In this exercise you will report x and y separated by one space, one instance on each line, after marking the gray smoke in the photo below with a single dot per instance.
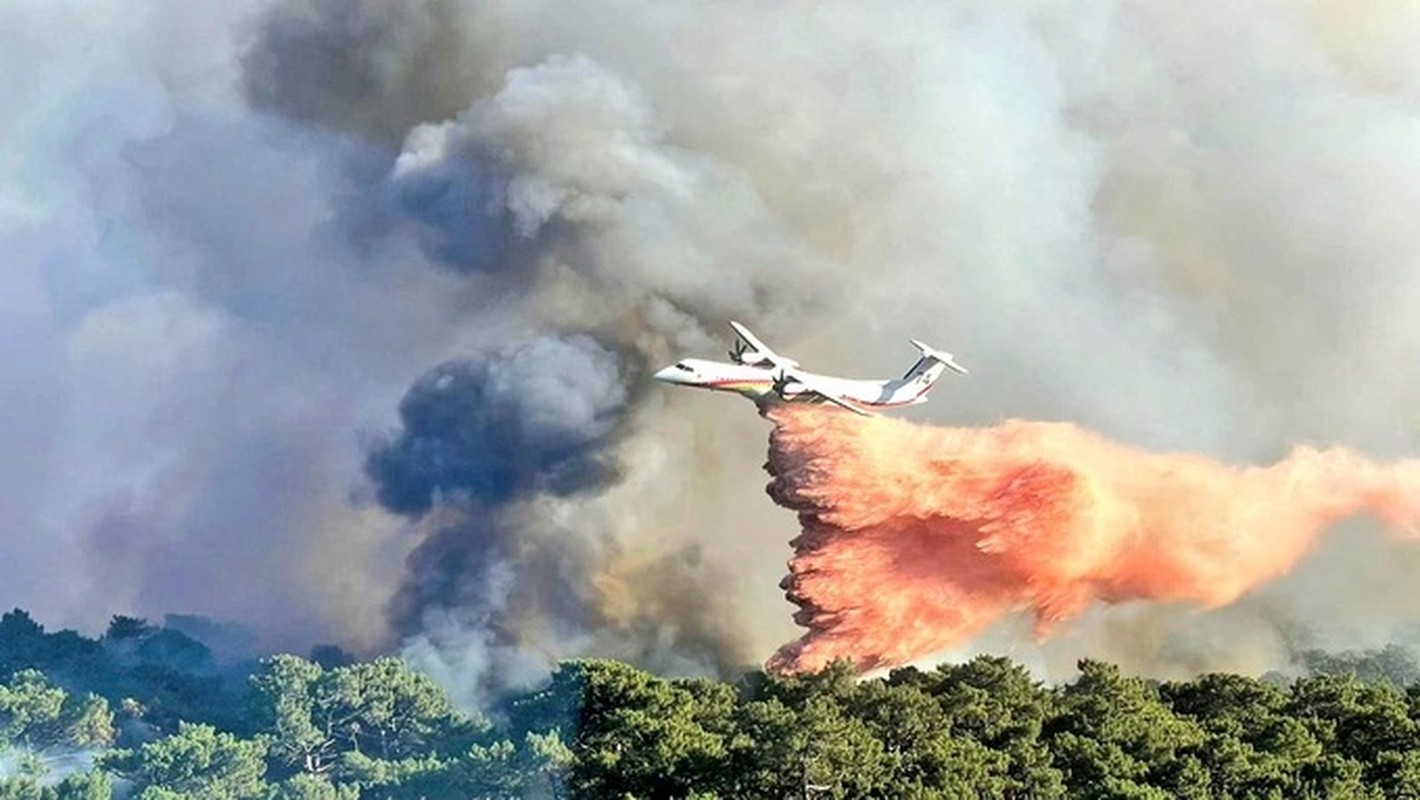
511 573
378 69
476 436
237 236
622 234
524 419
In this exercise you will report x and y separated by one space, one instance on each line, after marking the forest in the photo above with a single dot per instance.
147 712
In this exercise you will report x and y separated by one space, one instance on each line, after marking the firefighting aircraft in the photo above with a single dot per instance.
762 374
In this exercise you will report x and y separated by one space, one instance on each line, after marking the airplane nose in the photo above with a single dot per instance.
669 375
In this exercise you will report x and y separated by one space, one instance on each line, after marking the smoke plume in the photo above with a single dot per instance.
518 420
916 538
605 228
478 436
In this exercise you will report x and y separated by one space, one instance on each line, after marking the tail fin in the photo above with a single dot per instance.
914 385
930 353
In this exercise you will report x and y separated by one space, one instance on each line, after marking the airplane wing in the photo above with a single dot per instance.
761 348
840 402
825 392
751 339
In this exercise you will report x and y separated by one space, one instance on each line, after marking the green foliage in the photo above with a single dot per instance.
171 673
382 710
1114 737
84 786
25 645
40 717
79 786
337 729
313 787
122 628
284 701
197 761
1254 747
1367 724
21 787
1392 664
818 747
995 702
633 734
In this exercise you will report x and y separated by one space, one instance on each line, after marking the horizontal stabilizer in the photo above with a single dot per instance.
940 355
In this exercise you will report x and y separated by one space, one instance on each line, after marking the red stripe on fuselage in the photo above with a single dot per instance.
739 382
746 382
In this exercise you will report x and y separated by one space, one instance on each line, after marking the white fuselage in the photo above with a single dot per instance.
757 383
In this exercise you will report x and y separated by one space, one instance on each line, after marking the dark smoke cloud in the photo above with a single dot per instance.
522 419
368 66
461 207
495 456
477 435
453 568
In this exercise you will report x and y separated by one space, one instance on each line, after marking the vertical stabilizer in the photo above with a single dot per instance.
912 387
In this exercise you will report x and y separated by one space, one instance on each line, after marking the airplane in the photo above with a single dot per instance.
763 375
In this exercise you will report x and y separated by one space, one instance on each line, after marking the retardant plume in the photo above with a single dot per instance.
915 538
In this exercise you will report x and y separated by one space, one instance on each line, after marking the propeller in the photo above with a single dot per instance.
781 384
737 352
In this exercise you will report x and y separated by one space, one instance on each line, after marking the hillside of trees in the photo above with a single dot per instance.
145 712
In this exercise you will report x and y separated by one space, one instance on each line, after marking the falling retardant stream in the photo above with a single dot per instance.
916 538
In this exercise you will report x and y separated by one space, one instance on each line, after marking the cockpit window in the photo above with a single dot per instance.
683 367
